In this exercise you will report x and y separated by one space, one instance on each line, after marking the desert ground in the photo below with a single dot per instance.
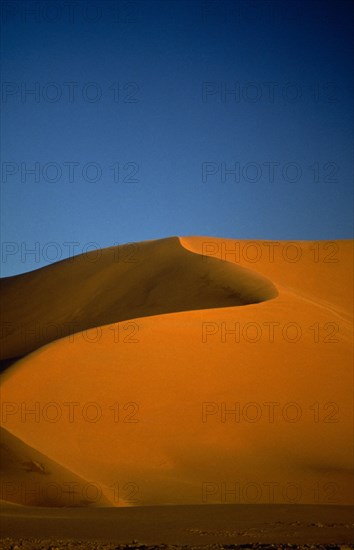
185 391
211 526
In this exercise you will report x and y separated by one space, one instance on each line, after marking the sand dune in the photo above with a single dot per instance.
246 403
321 270
121 283
30 478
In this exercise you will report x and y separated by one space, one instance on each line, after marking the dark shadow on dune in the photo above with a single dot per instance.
7 363
89 291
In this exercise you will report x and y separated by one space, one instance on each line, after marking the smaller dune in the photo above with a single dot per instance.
32 479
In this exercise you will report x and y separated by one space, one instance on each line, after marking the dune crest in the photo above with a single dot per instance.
151 278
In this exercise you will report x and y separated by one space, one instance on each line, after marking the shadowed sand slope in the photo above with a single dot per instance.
30 478
119 283
246 404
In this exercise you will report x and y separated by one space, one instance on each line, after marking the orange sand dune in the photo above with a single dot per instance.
319 270
30 478
87 291
231 404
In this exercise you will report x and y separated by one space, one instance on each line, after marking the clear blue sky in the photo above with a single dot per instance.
140 108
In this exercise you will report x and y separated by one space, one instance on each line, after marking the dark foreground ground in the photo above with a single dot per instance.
51 544
170 527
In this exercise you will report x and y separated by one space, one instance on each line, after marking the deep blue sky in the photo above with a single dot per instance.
162 128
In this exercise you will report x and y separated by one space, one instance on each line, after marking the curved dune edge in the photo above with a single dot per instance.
317 270
30 478
85 292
